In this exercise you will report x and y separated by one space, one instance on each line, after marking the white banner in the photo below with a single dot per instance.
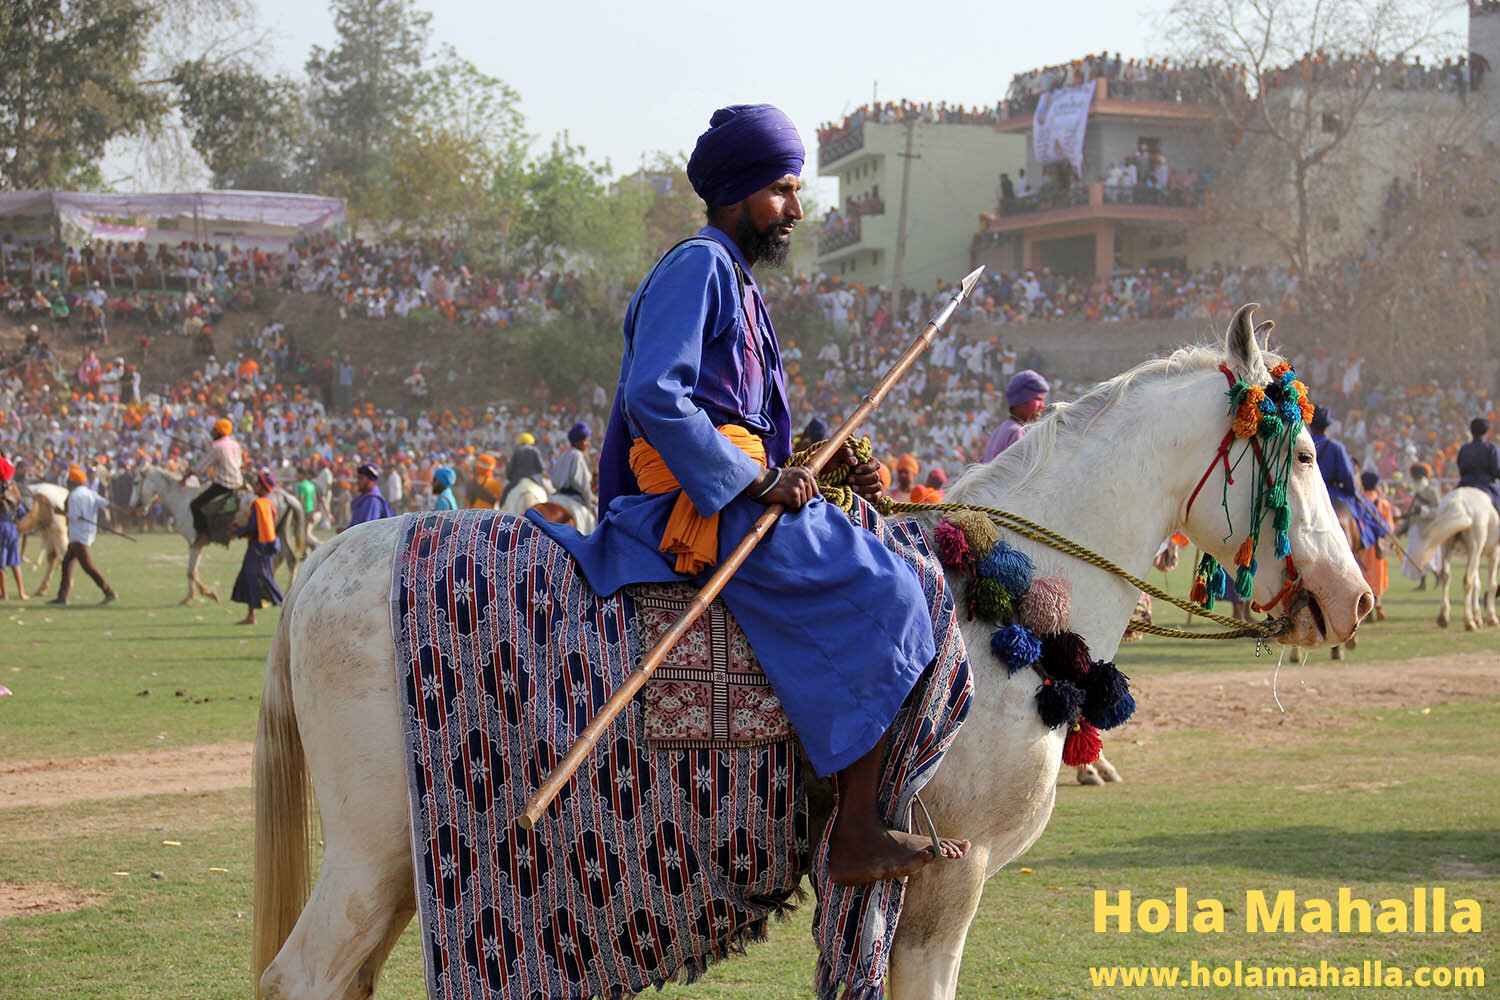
1058 126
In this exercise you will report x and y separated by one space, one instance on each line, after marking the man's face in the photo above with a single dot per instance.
766 221
364 484
1031 409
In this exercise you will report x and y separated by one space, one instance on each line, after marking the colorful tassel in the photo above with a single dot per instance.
1010 567
1066 655
1283 545
1082 745
951 543
1058 702
992 601
1246 552
1016 647
1107 701
1218 584
1244 582
1282 518
1276 497
1046 606
1199 593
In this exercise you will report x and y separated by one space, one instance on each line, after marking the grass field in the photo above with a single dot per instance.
1380 800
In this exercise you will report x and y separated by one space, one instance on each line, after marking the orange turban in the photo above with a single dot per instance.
908 462
76 475
222 427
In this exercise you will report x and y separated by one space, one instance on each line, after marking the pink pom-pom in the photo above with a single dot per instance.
1047 604
952 544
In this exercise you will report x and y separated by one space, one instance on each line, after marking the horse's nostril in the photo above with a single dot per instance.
1365 605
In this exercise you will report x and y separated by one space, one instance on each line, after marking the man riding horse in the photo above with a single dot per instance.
1340 477
1479 462
222 467
695 451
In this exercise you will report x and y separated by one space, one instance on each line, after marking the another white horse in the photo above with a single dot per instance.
1466 519
48 520
155 481
1113 471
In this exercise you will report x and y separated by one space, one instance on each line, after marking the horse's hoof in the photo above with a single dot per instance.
1471 627
1442 621
1089 778
1336 653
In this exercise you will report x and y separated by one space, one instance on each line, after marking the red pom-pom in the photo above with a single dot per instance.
1082 745
951 543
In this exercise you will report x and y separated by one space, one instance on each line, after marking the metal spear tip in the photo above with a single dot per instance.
970 280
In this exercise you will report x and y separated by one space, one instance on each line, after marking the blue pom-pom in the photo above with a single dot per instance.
1008 567
1291 412
1058 703
1016 646
1268 407
1106 693
1283 545
1113 715
1287 378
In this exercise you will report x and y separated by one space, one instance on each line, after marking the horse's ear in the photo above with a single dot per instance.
1241 346
1263 333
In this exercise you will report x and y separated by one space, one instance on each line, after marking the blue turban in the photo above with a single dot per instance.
746 147
817 430
1321 418
367 470
442 478
1024 387
579 432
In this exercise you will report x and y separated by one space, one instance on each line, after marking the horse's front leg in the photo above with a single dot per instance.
195 584
940 904
1490 616
1472 597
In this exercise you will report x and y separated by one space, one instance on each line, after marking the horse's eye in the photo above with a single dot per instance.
1305 457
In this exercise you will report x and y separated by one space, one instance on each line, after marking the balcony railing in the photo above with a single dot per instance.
841 235
841 145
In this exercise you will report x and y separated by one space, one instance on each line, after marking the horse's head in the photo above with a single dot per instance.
1323 594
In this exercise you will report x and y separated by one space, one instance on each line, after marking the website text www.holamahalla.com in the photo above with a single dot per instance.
1423 911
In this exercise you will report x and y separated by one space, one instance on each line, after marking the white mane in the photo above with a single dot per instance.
1027 457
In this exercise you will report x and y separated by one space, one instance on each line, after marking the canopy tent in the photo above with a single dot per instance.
264 219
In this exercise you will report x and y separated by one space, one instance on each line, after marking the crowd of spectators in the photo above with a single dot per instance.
1129 80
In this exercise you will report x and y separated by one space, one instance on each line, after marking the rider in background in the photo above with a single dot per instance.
1479 462
1338 475
222 467
1026 395
1371 558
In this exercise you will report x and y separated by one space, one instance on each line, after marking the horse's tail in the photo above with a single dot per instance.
297 536
282 798
1448 520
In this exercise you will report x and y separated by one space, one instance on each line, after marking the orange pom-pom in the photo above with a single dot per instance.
1246 552
1254 394
1199 592
1307 411
1300 389
1280 370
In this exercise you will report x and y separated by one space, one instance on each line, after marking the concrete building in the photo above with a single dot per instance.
1091 227
947 172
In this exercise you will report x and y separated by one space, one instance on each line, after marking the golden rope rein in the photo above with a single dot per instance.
1235 629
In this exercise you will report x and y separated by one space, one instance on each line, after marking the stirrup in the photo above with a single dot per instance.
911 822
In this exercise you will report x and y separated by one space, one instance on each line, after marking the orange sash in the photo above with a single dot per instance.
265 519
690 536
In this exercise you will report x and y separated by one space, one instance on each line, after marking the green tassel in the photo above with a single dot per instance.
1283 518
1207 565
1276 497
1244 582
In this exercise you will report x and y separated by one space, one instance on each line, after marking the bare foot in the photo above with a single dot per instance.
247 620
873 854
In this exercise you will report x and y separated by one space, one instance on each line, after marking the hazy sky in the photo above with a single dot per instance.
627 79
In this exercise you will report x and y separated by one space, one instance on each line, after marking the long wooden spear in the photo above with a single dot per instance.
564 771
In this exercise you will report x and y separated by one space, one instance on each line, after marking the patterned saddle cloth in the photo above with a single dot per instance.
685 829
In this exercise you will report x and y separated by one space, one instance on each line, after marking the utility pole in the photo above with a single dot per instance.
906 159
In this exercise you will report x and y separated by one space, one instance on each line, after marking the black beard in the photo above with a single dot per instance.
762 247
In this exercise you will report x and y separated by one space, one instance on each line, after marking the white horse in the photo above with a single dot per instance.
1113 471
290 531
48 520
1465 519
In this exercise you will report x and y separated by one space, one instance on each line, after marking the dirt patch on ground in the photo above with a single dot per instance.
1313 695
123 776
26 899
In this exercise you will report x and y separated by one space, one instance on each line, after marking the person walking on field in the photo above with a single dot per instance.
1371 558
256 583
84 508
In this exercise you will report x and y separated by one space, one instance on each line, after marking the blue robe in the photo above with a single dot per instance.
837 620
1338 475
369 506
1479 467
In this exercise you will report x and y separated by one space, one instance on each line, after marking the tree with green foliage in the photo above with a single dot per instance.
362 88
69 83
248 128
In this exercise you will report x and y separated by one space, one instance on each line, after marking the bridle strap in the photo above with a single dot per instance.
1222 455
